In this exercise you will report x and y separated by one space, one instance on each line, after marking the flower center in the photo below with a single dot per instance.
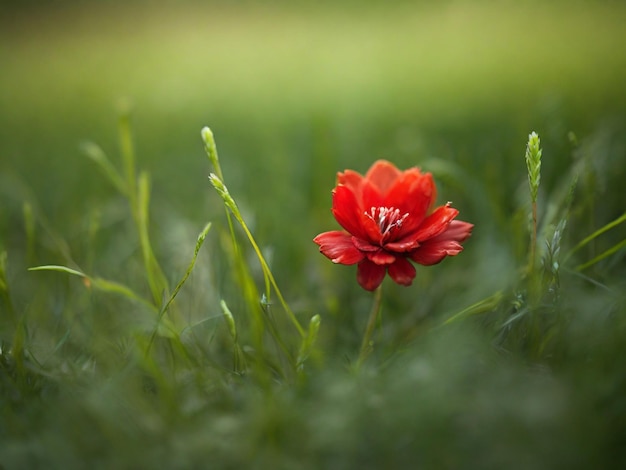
387 218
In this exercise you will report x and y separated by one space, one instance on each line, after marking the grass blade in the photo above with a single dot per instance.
601 256
192 263
482 306
156 278
62 269
98 283
97 155
596 234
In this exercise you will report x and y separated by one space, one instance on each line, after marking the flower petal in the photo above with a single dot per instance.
402 271
371 196
433 252
338 247
402 246
347 211
382 174
413 194
457 230
371 228
380 257
370 275
436 223
364 245
352 180
445 244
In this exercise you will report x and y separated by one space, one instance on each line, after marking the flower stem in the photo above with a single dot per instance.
366 345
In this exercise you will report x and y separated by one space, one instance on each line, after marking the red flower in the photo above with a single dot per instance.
388 221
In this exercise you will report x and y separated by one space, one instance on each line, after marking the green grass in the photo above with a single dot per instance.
150 339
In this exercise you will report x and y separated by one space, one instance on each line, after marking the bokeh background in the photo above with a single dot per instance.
295 91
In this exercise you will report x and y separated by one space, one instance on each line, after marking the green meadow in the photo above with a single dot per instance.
170 325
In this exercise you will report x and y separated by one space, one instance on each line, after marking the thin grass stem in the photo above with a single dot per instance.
533 242
217 181
269 277
180 284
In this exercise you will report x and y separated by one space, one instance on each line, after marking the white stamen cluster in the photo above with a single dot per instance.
387 218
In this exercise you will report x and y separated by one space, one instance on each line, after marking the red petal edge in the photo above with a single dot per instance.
448 243
457 230
402 272
381 257
382 174
436 223
434 252
347 210
338 247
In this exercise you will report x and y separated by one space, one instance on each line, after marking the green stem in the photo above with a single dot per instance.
367 344
533 243
269 277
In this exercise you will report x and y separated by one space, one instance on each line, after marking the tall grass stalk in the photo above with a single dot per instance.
138 190
218 183
264 321
533 164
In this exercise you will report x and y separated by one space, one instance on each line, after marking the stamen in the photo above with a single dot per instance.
388 218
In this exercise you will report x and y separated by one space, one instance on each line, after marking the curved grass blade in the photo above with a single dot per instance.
482 306
601 256
62 269
97 155
222 190
164 308
596 234
98 283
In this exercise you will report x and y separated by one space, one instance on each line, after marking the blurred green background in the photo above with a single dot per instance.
279 82
294 92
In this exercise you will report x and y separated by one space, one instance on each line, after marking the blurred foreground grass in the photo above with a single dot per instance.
530 379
